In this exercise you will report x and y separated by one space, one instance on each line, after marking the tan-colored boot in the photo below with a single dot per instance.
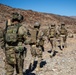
38 68
38 65
51 54
61 43
19 74
65 45
32 62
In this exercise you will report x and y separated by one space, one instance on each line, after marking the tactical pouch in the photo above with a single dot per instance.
27 41
52 33
63 31
42 42
10 55
11 38
19 49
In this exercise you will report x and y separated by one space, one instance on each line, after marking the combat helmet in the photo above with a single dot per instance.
37 25
62 24
17 17
52 25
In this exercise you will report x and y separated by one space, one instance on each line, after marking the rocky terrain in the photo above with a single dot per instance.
64 62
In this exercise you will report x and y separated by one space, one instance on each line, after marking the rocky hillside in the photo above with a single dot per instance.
30 17
73 17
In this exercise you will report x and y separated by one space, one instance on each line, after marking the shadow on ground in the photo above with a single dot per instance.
54 52
30 70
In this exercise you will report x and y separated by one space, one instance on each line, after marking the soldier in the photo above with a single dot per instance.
14 37
52 38
36 44
63 36
1 37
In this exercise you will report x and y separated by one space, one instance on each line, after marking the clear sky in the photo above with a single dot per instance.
61 7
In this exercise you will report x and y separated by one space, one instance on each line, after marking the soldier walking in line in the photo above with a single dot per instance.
63 36
14 37
36 44
52 38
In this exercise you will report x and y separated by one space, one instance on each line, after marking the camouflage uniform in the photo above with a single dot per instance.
36 44
14 49
52 38
1 38
63 36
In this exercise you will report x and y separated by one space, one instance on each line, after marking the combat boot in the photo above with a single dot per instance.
65 45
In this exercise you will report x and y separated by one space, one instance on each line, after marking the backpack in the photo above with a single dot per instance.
11 34
33 36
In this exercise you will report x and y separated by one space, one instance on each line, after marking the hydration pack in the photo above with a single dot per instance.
33 36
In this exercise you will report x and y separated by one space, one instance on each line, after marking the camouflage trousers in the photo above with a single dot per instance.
36 51
63 41
18 67
53 44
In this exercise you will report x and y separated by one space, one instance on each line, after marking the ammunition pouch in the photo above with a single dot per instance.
27 41
51 37
19 49
40 43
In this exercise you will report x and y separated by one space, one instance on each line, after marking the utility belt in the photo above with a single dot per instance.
17 48
51 37
12 43
62 35
32 43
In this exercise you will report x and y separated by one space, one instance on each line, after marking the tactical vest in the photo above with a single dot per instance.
11 34
52 33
